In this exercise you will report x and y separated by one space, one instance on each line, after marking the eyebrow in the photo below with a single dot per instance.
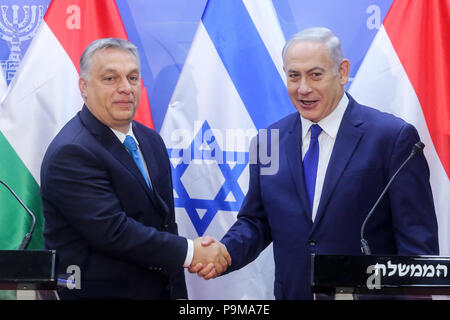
313 69
115 70
310 70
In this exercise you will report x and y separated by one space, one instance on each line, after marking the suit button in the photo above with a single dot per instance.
166 226
312 243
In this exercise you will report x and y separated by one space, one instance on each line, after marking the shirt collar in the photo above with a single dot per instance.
330 124
121 136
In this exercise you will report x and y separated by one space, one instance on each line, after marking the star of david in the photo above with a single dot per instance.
230 171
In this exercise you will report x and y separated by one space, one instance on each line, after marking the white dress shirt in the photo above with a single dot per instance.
330 127
121 136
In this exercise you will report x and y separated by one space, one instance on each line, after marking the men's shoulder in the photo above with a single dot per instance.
151 136
276 132
72 143
72 133
375 117
141 129
287 122
282 128
69 132
144 129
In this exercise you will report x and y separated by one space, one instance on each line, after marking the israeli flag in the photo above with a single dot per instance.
231 86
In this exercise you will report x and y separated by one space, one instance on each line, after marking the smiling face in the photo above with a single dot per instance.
113 89
313 84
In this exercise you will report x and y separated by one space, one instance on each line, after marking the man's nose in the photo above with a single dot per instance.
304 87
124 86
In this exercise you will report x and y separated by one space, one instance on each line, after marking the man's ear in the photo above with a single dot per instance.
82 84
344 71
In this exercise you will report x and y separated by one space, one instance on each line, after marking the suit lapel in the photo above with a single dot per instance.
347 140
109 140
148 147
293 154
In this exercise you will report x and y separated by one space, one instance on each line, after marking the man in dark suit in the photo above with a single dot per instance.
107 191
335 158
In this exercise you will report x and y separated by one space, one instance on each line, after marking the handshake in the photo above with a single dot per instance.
211 258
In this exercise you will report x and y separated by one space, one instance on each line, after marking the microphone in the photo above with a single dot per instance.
364 244
27 238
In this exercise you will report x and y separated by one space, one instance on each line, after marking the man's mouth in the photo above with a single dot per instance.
308 103
124 102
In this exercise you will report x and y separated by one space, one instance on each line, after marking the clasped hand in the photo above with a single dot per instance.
211 258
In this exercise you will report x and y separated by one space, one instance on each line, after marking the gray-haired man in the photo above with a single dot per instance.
336 157
107 191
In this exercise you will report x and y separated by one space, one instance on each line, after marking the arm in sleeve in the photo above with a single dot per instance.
80 188
411 199
250 234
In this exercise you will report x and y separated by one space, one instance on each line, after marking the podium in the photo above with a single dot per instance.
379 277
28 272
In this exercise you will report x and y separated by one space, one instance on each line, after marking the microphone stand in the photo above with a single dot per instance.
27 238
364 244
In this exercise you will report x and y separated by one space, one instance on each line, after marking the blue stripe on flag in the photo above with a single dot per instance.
247 61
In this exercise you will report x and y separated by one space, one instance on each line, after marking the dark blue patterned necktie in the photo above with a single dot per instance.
310 163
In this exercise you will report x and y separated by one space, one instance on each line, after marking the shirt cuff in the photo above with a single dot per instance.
189 254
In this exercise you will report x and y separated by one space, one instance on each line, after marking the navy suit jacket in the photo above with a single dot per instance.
370 146
101 216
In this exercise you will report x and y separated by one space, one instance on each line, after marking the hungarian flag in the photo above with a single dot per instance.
406 72
40 100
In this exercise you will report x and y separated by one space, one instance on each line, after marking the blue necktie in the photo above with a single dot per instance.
310 163
132 148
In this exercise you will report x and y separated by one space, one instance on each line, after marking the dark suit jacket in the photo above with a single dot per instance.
369 148
101 216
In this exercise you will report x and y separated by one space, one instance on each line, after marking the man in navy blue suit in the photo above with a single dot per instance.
107 191
335 158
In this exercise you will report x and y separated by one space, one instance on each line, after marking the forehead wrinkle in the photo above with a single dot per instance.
103 57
